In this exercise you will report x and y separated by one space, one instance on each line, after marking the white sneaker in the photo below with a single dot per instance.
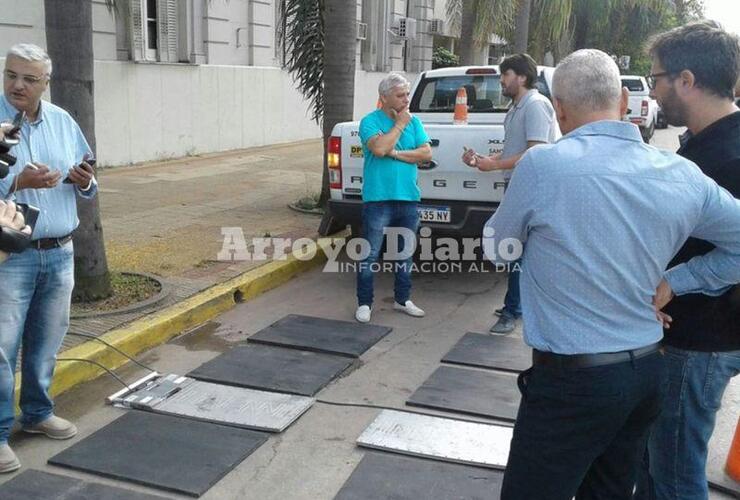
409 308
8 461
363 314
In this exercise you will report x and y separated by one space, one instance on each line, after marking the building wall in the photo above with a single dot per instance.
233 93
148 112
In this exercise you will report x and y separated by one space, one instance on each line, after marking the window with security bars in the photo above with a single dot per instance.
154 30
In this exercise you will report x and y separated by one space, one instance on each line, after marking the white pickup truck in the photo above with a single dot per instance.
456 200
643 110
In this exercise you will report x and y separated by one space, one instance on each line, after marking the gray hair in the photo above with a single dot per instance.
588 80
31 52
392 81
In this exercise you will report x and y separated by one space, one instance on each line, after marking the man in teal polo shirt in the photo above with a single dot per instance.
393 143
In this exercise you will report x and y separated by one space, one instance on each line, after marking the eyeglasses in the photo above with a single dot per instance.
29 80
651 78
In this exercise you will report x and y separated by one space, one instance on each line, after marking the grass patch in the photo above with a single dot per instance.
128 289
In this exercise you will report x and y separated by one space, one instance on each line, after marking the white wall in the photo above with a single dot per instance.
21 22
156 111
146 112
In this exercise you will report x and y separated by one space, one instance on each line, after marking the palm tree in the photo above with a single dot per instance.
521 26
477 21
69 42
322 62
586 22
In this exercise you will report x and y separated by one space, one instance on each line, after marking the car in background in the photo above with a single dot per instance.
642 109
660 121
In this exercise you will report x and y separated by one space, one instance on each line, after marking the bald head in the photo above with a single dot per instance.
587 87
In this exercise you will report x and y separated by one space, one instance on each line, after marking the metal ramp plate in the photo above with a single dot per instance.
35 484
247 408
170 453
382 475
235 406
473 392
345 338
439 438
491 351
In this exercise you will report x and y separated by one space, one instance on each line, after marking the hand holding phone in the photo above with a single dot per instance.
81 174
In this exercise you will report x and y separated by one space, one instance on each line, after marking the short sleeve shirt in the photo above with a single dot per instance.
531 119
387 179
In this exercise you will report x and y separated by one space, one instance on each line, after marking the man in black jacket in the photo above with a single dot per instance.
693 76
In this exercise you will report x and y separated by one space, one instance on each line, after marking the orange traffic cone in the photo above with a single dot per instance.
732 467
461 107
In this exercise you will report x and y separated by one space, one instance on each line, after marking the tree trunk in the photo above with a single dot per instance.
69 42
467 33
521 30
339 73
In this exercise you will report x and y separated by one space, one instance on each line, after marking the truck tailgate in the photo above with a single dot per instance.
446 177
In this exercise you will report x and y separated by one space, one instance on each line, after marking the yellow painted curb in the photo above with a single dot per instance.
161 326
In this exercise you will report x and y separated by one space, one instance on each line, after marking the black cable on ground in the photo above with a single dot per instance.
405 410
110 372
89 336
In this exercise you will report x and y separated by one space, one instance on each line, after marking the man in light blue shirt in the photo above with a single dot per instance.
36 285
393 142
600 214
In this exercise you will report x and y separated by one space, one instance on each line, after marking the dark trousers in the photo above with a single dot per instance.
582 431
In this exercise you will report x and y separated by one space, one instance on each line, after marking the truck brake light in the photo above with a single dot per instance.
334 162
644 110
481 71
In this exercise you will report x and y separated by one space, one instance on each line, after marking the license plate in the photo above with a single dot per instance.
434 214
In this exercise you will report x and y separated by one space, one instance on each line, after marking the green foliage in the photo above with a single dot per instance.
619 27
443 58
301 33
492 17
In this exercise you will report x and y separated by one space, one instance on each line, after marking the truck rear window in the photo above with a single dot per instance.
633 85
437 95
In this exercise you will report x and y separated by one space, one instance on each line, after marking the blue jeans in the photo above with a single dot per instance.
512 301
377 216
677 447
35 293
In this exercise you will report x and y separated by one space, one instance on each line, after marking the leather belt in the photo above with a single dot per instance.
550 359
50 243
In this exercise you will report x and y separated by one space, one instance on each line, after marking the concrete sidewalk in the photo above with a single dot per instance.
165 218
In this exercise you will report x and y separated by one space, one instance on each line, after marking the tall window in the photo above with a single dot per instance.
151 29
154 30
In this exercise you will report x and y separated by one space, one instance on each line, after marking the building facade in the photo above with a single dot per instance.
182 77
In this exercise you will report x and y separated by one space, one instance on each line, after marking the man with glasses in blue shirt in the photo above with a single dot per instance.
36 285
600 215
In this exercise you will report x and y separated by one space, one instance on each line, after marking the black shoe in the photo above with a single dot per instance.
504 325
499 311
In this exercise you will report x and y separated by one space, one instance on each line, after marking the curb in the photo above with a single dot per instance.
161 326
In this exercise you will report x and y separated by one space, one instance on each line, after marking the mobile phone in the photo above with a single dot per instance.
30 214
17 122
90 162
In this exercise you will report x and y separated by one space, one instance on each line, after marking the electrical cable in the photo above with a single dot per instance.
110 372
89 336
405 410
